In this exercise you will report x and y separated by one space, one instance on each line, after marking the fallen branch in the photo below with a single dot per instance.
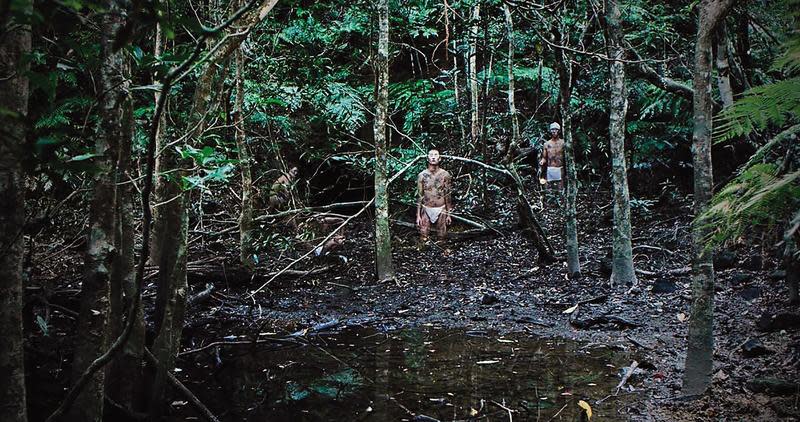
183 389
627 375
330 235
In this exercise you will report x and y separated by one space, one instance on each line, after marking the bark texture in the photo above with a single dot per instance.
383 240
92 337
246 246
512 107
622 271
473 75
571 182
124 375
723 68
700 347
14 106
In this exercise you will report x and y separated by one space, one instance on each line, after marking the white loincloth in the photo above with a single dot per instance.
433 212
553 174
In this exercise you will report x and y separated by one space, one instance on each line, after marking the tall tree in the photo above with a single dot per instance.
723 67
246 247
700 342
15 44
124 376
93 332
172 244
473 75
565 74
383 240
512 107
622 271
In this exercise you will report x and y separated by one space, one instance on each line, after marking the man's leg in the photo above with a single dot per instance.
424 228
441 226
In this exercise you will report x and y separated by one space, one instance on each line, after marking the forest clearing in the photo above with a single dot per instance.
382 210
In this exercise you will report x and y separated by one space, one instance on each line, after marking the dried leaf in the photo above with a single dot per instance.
572 309
681 317
585 406
487 362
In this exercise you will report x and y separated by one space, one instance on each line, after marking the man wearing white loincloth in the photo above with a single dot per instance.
434 203
552 160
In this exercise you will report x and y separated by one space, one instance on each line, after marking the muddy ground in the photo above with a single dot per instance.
493 284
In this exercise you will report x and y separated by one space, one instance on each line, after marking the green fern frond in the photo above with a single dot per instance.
59 116
774 104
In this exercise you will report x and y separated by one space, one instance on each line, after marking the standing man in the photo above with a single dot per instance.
552 160
434 204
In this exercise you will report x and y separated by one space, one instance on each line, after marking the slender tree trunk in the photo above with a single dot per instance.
124 374
160 195
791 259
246 246
383 239
571 185
172 284
14 45
700 341
622 271
473 76
512 108
723 67
91 339
456 90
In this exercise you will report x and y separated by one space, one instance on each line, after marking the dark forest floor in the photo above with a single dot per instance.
495 284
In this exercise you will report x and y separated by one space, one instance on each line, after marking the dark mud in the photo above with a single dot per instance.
494 285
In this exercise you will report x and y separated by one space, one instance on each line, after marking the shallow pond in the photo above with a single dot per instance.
361 374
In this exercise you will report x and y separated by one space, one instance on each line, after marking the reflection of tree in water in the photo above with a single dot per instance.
365 374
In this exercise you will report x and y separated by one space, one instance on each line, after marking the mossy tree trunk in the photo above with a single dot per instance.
622 271
700 341
14 46
92 336
383 240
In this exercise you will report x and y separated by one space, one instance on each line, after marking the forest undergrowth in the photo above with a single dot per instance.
491 284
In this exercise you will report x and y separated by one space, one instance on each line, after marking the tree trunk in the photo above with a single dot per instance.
622 271
158 231
383 239
246 247
124 375
473 76
700 347
14 45
512 108
723 68
172 284
91 339
791 258
570 213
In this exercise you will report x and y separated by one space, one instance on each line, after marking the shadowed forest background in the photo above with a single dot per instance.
207 210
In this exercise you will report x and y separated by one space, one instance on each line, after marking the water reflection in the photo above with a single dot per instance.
364 375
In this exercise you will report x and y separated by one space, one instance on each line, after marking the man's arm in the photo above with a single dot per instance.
448 197
543 159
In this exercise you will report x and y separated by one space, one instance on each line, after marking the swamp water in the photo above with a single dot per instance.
360 374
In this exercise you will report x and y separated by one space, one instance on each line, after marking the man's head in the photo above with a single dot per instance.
433 157
554 129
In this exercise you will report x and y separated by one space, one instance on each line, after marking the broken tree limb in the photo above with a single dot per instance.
183 389
310 209
531 227
332 233
627 376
